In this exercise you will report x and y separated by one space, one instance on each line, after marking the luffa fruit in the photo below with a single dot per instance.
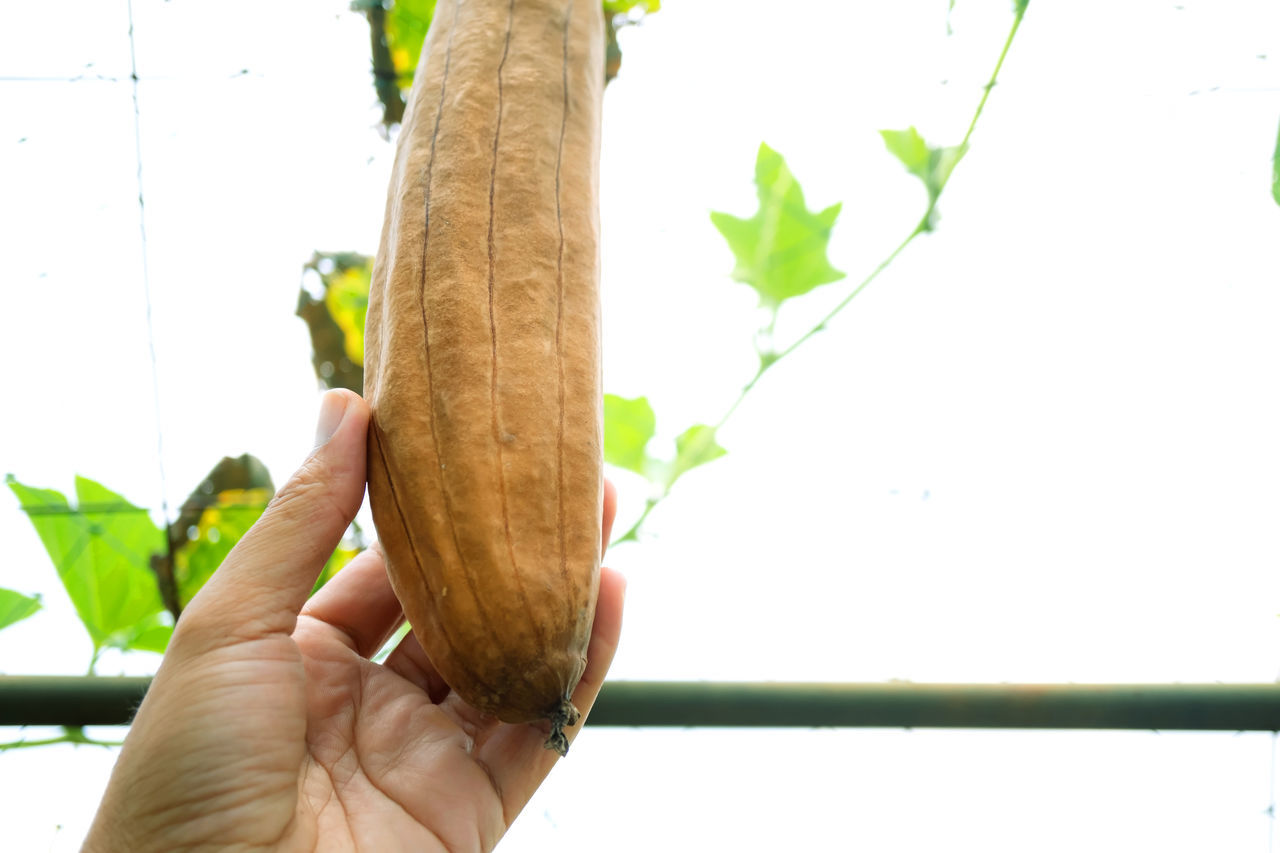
482 354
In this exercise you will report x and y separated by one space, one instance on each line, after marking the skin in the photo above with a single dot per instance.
268 727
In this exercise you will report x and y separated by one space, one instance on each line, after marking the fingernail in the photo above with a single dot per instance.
333 405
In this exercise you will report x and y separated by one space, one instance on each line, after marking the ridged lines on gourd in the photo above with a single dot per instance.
417 558
467 571
560 484
516 574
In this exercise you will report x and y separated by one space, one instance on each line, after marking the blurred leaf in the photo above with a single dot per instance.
14 606
220 511
218 529
231 474
782 250
621 7
1020 7
695 446
150 635
347 298
387 80
628 428
102 549
932 165
397 31
910 148
407 25
1275 171
619 14
612 48
338 560
335 318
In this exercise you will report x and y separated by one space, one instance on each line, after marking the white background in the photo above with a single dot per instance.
1042 447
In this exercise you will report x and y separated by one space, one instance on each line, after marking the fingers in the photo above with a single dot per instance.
515 755
266 578
610 510
605 632
358 604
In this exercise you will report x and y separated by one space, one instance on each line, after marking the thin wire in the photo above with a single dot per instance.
124 508
79 78
406 76
146 276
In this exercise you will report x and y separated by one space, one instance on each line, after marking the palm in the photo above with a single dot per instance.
392 754
268 726
383 762
377 752
303 742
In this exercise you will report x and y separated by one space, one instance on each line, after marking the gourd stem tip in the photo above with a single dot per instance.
563 716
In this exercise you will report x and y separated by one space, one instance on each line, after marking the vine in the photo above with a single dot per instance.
932 165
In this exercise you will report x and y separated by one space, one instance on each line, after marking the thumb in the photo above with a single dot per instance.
265 580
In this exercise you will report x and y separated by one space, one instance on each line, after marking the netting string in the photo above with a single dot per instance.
146 277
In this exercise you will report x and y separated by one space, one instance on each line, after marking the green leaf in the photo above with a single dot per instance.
932 165
347 298
220 526
14 606
781 251
150 635
218 515
102 549
341 556
1275 171
910 148
407 24
618 7
629 426
695 446
335 318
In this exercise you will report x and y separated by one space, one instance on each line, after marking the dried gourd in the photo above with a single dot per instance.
482 354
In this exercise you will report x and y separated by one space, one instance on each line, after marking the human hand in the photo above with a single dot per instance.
267 726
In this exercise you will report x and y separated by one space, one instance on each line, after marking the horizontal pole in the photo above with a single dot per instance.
1205 707
69 700
107 701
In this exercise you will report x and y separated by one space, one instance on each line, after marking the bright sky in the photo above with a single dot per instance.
1040 448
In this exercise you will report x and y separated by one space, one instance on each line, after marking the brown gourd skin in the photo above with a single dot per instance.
482 354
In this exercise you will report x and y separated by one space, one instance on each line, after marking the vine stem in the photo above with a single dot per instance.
1019 11
71 735
767 361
